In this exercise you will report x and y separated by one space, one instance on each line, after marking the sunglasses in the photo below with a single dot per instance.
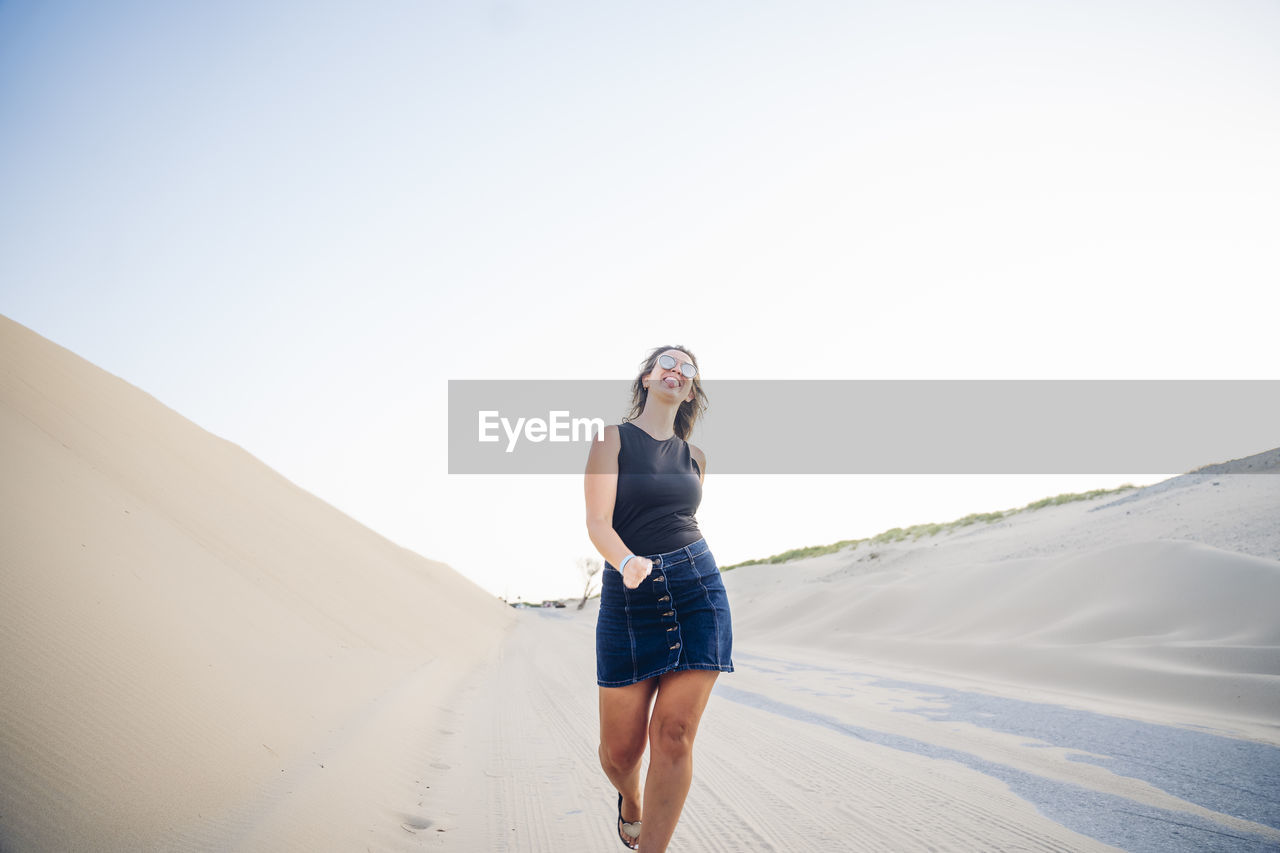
667 362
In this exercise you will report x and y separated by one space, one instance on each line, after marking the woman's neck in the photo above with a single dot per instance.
657 420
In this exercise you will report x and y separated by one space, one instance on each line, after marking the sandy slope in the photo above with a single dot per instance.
195 653
1163 599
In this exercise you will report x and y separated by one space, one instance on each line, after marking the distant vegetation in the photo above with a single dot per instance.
916 531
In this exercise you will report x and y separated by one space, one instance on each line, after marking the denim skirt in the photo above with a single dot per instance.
678 618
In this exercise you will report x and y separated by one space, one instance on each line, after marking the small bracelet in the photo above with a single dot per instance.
624 562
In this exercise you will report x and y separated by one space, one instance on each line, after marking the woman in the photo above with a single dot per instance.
664 634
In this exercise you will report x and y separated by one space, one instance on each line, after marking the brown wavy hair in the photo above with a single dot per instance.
690 410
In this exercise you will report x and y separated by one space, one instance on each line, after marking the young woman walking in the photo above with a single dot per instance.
664 632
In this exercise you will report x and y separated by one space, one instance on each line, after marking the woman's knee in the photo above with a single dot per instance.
622 753
672 736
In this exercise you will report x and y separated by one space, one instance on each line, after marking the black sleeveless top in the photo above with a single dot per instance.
659 489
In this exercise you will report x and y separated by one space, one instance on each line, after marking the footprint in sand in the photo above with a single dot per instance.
415 824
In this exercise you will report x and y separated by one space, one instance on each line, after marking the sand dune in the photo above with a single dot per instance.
190 642
1164 598
198 655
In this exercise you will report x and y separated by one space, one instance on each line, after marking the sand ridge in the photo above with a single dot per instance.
190 640
1162 600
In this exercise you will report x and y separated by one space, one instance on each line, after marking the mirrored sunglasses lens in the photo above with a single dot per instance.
667 362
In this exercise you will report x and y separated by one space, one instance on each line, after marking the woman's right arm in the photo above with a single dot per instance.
601 491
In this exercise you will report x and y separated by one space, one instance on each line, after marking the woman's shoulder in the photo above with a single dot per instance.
608 438
605 452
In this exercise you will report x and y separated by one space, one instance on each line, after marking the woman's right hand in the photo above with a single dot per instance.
637 570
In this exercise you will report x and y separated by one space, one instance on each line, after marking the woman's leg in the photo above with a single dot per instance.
624 723
682 696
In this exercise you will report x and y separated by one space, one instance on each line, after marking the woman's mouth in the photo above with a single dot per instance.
671 383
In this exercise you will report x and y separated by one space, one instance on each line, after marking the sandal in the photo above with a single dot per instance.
627 832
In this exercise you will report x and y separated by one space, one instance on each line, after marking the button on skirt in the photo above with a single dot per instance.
678 618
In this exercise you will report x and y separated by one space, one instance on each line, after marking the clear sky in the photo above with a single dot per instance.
294 222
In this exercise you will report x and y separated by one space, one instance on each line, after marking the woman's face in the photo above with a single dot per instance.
671 383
